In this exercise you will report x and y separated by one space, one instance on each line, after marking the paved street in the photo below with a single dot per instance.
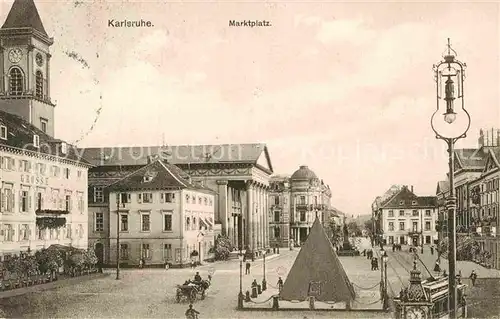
151 293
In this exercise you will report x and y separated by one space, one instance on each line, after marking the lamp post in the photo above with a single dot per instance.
448 73
240 294
385 258
382 281
117 235
264 283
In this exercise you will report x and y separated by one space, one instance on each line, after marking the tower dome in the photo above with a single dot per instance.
303 173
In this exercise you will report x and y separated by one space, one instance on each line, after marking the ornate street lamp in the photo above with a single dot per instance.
264 283
240 294
449 77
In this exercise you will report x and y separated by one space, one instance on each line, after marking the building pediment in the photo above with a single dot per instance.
491 163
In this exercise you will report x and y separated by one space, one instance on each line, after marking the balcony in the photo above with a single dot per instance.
43 212
304 206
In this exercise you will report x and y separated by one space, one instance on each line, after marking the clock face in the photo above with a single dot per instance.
15 55
39 59
415 313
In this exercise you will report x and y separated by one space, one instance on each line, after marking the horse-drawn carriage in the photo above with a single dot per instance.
191 289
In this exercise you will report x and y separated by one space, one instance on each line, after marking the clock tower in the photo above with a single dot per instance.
25 67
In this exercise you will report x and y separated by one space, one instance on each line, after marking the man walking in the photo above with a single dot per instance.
473 277
247 268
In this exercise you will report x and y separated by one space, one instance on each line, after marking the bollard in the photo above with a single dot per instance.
276 305
264 285
274 250
311 302
254 292
247 296
259 289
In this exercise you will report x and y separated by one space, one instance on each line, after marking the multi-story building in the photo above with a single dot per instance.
238 173
295 203
162 217
442 193
43 180
376 212
409 219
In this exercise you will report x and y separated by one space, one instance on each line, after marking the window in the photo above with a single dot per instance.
98 195
276 232
36 140
39 200
43 125
81 231
24 203
210 202
415 212
25 166
125 198
16 81
81 202
64 148
68 203
415 226
98 222
124 251
194 224
427 226
188 223
401 203
170 198
302 200
146 197
79 174
8 232
39 84
391 226
187 198
199 200
277 216
124 222
167 221
205 201
193 199
167 251
67 173
146 252
7 200
276 200
41 168
391 213
55 171
24 232
145 222
427 239
302 216
401 225
414 202
3 132
428 212
315 200
401 213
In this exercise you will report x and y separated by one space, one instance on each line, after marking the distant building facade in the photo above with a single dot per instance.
409 219
238 174
163 218
296 200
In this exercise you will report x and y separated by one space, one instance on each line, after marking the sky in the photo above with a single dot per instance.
345 88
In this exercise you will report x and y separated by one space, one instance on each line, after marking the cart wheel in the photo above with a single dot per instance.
167 266
192 296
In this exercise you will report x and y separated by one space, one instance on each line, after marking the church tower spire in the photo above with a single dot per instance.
25 66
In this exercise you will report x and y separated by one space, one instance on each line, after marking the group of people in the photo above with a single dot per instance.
368 253
396 247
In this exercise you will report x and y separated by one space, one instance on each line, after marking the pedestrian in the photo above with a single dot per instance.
364 252
191 313
473 277
247 268
193 264
141 263
432 250
280 284
437 268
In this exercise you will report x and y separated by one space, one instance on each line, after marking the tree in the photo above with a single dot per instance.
334 232
222 247
368 226
90 258
353 229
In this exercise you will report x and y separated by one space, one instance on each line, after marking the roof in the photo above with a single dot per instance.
408 197
442 187
317 262
157 175
23 14
256 154
303 173
471 157
20 136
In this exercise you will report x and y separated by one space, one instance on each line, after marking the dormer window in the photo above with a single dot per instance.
414 202
3 132
36 141
401 203
148 178
64 148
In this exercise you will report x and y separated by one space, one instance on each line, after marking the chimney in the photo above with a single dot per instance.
480 140
412 188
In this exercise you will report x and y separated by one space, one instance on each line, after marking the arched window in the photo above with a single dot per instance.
39 84
16 82
188 223
194 223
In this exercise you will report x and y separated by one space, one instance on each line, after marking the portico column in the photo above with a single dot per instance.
2 72
266 215
266 196
255 208
259 216
250 220
230 217
222 203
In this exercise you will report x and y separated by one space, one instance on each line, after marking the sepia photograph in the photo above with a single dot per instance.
249 159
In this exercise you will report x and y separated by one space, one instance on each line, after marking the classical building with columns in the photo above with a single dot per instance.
238 173
296 200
